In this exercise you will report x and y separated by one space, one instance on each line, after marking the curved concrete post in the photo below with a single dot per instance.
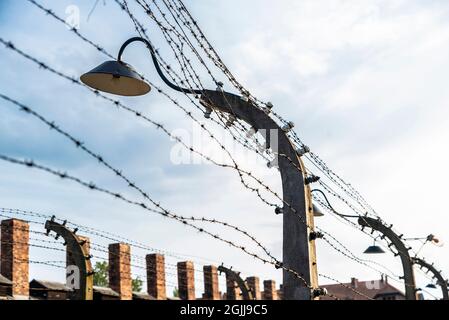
298 250
235 276
440 280
407 264
84 284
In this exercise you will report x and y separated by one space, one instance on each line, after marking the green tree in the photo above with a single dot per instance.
137 284
101 277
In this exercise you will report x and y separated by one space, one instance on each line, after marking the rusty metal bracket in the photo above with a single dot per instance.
232 275
440 280
84 289
407 263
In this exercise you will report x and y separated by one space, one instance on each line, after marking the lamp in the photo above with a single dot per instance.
118 77
374 249
431 286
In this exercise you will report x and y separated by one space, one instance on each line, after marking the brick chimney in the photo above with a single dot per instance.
211 289
156 276
120 270
186 280
354 283
269 290
254 286
14 263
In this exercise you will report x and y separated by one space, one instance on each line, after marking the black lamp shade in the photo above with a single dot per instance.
374 250
431 286
116 77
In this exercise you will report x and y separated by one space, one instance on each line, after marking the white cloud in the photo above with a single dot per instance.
365 82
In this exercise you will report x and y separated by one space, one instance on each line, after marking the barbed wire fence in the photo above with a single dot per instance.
181 30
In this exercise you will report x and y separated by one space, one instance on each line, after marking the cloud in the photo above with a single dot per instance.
365 82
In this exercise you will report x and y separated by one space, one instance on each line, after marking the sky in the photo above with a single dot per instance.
364 82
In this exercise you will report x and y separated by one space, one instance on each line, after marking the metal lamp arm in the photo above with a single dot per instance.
330 206
156 64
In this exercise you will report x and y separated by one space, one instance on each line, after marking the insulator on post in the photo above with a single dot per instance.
251 132
315 235
220 86
230 121
311 179
318 292
262 147
278 210
289 126
302 151
278 265
268 107
272 164
245 96
208 113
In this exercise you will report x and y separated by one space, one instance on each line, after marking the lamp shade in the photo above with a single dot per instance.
374 250
431 286
116 77
317 212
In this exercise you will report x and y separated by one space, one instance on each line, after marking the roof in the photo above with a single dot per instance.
106 291
48 285
371 289
142 296
5 281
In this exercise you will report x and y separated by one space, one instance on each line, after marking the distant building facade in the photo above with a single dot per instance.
361 290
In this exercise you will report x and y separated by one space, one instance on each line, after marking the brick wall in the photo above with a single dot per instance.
120 270
269 290
15 255
156 276
254 286
186 280
211 289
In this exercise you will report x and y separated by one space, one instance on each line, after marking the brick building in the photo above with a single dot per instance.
377 289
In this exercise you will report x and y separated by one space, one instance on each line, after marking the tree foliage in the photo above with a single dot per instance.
101 277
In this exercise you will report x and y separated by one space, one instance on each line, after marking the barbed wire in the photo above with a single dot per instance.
346 286
94 187
93 246
34 1
99 158
183 12
119 173
92 231
74 140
